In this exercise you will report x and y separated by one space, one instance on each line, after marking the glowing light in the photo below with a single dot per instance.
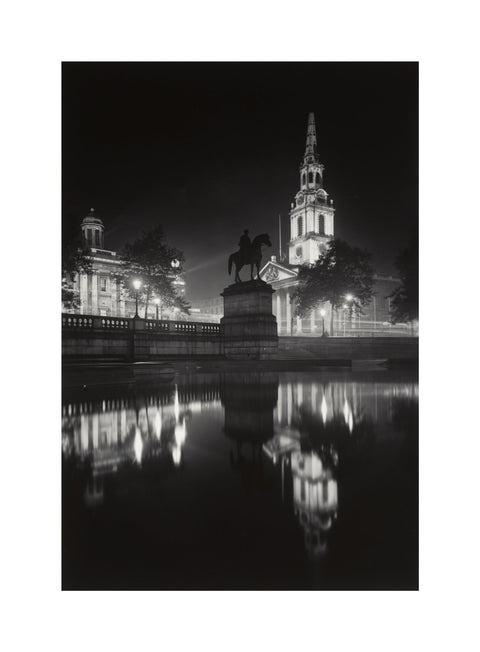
323 409
346 410
350 422
323 312
156 300
176 455
138 445
137 283
180 434
349 297
158 424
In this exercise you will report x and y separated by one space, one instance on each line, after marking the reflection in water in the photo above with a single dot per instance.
312 432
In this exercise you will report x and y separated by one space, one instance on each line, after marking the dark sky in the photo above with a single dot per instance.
208 149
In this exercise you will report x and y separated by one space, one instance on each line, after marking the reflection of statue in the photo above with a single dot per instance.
249 254
249 401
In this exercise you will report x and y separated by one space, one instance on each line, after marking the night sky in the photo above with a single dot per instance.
207 150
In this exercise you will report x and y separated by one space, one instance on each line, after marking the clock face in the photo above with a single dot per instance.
300 200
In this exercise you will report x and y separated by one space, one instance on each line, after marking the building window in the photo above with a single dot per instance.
321 224
310 177
97 238
303 179
103 283
317 178
298 252
300 226
89 237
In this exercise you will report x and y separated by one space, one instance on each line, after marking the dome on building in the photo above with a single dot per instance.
91 219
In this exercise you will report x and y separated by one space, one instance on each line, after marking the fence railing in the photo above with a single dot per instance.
94 322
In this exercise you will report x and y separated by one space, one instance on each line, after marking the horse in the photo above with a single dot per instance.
254 257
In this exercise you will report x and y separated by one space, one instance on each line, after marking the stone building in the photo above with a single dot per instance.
100 293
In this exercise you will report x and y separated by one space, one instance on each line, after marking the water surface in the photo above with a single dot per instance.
243 481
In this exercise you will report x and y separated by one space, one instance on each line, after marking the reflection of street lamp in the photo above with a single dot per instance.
156 301
322 314
137 284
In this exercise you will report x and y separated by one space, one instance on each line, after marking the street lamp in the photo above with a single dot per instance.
322 315
137 284
349 299
344 318
156 301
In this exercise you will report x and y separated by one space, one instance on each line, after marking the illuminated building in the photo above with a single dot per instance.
101 293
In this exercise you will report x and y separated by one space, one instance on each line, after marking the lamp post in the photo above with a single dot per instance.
156 301
137 284
322 314
344 318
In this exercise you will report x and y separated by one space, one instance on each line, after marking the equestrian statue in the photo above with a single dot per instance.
250 253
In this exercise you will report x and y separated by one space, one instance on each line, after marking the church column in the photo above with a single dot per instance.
289 313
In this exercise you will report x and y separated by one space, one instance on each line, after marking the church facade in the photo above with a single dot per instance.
312 225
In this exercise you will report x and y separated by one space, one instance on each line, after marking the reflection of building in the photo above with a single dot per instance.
100 293
315 499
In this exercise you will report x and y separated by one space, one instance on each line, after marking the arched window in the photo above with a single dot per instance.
310 177
317 178
321 224
303 179
300 226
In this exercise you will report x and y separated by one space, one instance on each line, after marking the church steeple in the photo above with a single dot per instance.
311 154
312 213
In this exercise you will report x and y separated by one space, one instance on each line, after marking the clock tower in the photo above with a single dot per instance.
312 212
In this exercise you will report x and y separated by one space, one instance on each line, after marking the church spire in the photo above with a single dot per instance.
311 154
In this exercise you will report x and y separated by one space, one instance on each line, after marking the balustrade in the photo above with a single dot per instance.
93 322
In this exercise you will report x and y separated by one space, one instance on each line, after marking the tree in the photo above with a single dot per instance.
150 259
404 302
340 271
75 259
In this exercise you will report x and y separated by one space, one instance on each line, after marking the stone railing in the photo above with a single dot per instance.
93 322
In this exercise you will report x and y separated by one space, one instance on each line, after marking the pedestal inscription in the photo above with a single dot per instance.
249 327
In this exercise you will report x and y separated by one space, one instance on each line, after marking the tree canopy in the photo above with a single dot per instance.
150 259
75 258
340 271
404 299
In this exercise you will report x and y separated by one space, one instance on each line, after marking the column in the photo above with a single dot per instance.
95 294
278 310
83 293
289 313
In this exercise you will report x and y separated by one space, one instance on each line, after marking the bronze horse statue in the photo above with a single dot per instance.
252 257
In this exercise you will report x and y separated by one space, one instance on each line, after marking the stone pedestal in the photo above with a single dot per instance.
249 327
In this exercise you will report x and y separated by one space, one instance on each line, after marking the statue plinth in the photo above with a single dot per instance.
249 327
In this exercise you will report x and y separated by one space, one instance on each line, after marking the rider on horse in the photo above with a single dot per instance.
245 247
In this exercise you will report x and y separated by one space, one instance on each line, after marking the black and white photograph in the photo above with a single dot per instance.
240 326
240 354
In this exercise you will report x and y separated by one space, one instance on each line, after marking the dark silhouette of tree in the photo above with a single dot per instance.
340 271
150 259
404 299
75 259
